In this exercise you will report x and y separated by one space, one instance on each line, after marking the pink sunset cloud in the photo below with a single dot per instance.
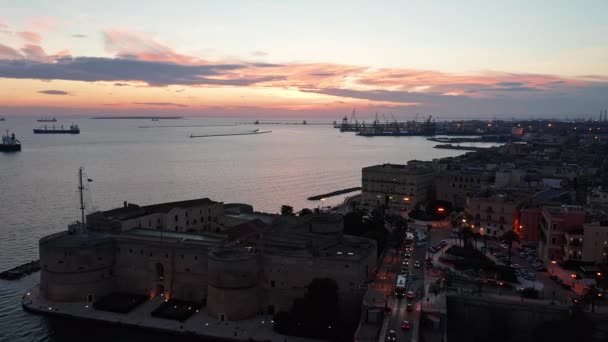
141 46
7 52
43 23
30 36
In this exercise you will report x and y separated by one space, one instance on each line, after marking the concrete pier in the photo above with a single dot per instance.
199 324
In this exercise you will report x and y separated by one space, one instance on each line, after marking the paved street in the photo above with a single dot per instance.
387 278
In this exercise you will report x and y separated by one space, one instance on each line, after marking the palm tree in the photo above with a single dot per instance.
510 237
466 233
475 237
591 293
485 242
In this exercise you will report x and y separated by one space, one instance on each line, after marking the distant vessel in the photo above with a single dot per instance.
74 129
155 119
2 119
47 120
10 143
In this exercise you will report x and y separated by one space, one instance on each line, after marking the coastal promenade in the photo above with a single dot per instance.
198 325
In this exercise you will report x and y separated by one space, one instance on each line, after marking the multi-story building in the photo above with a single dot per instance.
531 211
587 244
495 213
598 198
455 185
259 265
555 222
200 215
401 187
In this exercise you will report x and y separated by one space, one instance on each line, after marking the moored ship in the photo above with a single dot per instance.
74 129
10 143
47 120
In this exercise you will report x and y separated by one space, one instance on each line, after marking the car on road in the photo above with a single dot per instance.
405 264
417 264
407 255
406 325
404 271
410 295
409 307
391 336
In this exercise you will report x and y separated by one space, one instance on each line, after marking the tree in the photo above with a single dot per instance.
303 212
509 238
287 210
591 293
476 236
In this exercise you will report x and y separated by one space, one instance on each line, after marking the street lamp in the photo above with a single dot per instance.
500 288
573 276
553 262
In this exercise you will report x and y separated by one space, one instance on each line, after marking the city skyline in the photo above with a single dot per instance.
304 59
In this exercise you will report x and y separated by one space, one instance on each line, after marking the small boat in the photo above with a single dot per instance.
74 129
47 120
10 143
155 119
2 119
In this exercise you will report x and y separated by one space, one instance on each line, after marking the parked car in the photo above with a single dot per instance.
391 336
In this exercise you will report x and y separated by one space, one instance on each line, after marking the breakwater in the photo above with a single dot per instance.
21 271
334 193
458 147
228 134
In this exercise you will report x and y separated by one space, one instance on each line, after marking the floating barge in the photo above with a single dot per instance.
74 129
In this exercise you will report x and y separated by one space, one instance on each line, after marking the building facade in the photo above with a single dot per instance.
588 244
494 213
455 185
555 222
401 187
238 272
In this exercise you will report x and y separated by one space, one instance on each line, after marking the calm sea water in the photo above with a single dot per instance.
38 193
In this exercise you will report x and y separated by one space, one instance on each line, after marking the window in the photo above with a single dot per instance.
176 218
272 283
196 257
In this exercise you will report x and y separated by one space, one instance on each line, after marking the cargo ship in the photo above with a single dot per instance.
10 143
47 120
74 129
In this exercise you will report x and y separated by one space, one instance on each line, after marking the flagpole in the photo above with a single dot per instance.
81 189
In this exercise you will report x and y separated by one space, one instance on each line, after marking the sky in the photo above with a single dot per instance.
449 59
